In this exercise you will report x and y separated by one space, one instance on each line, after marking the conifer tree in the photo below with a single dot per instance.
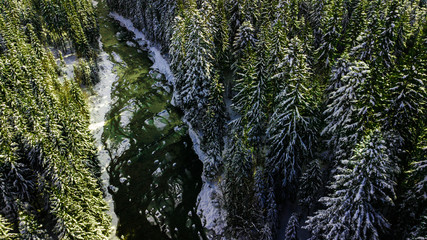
239 191
292 228
405 112
177 51
354 20
415 198
276 41
252 94
332 28
364 182
198 65
344 113
290 128
272 212
244 44
235 18
310 185
213 128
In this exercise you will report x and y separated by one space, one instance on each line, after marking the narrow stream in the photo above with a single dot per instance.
154 176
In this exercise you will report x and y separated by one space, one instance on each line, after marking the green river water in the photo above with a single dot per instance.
154 172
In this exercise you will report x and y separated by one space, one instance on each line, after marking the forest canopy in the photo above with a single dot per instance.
303 100
48 167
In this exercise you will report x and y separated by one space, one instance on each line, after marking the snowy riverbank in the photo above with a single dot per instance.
212 216
99 105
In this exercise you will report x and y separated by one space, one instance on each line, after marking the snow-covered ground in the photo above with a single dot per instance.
213 217
99 104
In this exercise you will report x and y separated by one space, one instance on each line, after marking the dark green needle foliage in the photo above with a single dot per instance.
48 166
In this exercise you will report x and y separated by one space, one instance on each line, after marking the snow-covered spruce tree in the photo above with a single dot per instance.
243 89
289 12
290 127
238 191
177 51
213 129
366 45
331 25
263 202
315 13
272 215
260 186
235 18
388 36
407 112
382 38
407 105
343 113
412 213
250 102
243 45
310 184
292 228
197 81
275 44
256 117
364 182
416 198
221 35
339 70
353 21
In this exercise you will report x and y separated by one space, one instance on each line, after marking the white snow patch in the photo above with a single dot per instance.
116 57
164 114
158 123
68 69
212 215
160 120
130 44
99 105
122 147
209 209
159 62
125 118
157 172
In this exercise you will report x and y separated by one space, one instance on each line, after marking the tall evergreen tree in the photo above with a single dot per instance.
292 228
244 44
290 128
332 28
364 182
310 185
344 114
252 94
239 190
198 64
